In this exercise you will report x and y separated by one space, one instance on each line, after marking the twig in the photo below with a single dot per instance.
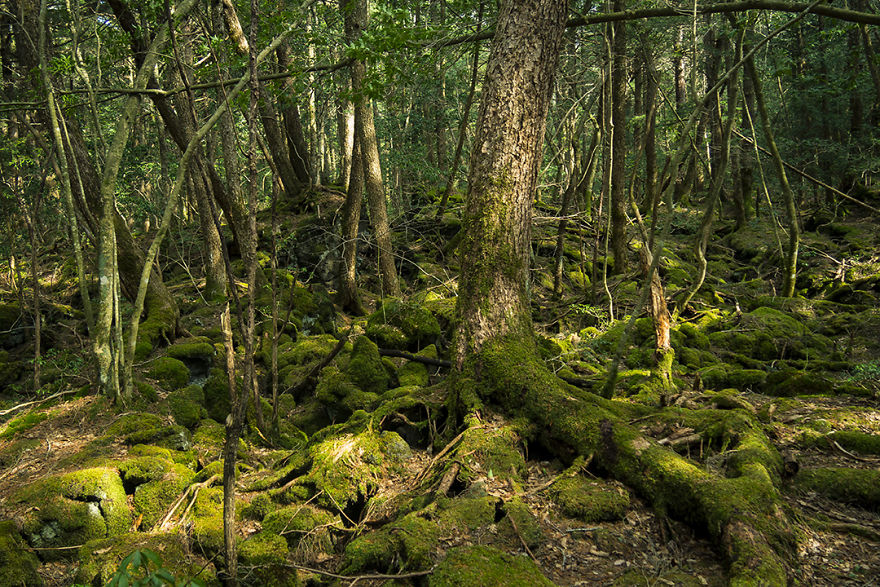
194 488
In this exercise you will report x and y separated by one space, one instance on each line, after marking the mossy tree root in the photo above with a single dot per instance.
742 514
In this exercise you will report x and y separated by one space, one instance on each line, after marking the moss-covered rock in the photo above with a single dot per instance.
590 501
74 508
401 324
791 382
725 376
523 525
188 406
365 369
208 439
490 452
18 566
100 559
199 347
207 528
216 390
339 394
408 543
170 374
156 483
174 437
855 440
347 467
303 525
264 555
477 566
128 423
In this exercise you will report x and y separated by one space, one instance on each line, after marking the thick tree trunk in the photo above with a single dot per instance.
493 299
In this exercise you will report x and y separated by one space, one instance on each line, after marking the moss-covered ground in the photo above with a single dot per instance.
755 464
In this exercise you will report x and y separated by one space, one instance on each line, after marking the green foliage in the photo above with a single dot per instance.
143 568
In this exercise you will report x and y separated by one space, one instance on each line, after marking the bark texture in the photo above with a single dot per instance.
493 292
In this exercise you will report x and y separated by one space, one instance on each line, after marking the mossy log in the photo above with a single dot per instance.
742 514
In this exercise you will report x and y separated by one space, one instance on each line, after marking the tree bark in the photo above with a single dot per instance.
493 299
618 143
365 130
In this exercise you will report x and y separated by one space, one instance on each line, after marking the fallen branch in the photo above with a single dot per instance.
356 578
521 539
194 488
416 358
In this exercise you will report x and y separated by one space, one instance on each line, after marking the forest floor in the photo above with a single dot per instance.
368 483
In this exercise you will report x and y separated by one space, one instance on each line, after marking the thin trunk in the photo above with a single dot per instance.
618 143
366 135
299 153
790 275
465 119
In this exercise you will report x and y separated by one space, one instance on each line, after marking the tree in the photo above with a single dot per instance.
493 302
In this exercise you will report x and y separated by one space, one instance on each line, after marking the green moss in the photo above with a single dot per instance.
407 543
18 566
490 452
365 369
195 348
725 376
347 467
170 374
128 423
22 423
303 525
207 528
855 440
466 513
99 559
310 417
860 487
336 391
73 508
264 548
188 406
216 390
173 437
527 527
259 507
415 323
790 383
477 566
208 439
156 484
590 501
159 326
146 391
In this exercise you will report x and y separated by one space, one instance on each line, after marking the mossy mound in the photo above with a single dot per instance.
729 377
18 566
208 439
524 525
74 508
859 487
216 390
769 334
791 382
198 347
170 374
304 527
173 437
347 467
207 527
156 483
490 452
188 406
262 556
855 440
415 373
341 396
590 501
100 559
477 566
366 369
129 423
402 325
408 544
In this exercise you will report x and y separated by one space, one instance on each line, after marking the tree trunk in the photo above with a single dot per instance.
493 301
366 136
790 269
618 143
297 148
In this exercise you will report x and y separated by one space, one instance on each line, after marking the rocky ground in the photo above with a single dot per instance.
367 480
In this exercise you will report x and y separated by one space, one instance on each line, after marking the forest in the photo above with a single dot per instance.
439 292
